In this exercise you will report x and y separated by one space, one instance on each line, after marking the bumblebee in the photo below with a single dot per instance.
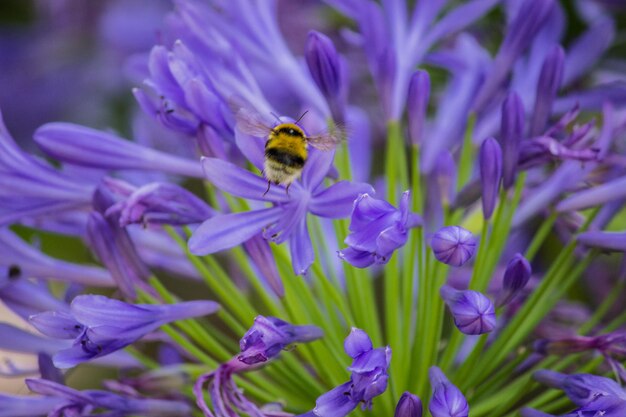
286 149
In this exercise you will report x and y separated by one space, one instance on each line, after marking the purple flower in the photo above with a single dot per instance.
472 311
447 400
268 336
286 219
516 276
368 379
263 342
101 325
156 203
329 71
68 401
490 174
377 229
453 245
409 405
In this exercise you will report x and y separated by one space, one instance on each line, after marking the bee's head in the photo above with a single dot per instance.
289 129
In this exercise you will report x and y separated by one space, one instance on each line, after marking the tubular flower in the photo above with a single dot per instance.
100 325
368 379
377 230
263 342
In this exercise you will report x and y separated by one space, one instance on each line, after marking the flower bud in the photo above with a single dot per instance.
409 405
472 311
490 174
417 104
447 400
516 277
547 87
512 132
327 69
357 342
453 245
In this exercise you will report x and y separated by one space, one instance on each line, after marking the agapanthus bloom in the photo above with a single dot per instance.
100 325
453 245
368 379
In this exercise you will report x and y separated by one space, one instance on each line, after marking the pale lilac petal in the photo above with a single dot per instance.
225 231
357 258
234 180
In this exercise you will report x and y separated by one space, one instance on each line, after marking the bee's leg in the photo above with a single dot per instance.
269 183
287 188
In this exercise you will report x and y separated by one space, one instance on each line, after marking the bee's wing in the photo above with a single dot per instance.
328 140
251 123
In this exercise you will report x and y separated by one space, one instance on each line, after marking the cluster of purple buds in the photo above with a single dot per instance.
99 326
377 229
263 342
368 380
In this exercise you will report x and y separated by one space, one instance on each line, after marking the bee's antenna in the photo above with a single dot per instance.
275 116
305 112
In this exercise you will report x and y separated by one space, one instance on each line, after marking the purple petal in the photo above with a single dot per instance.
588 48
56 324
234 180
28 406
615 241
253 148
357 343
302 253
389 240
597 196
547 88
84 146
18 340
225 231
490 174
409 405
359 144
317 166
417 104
511 131
357 258
337 201
260 252
335 403
367 209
